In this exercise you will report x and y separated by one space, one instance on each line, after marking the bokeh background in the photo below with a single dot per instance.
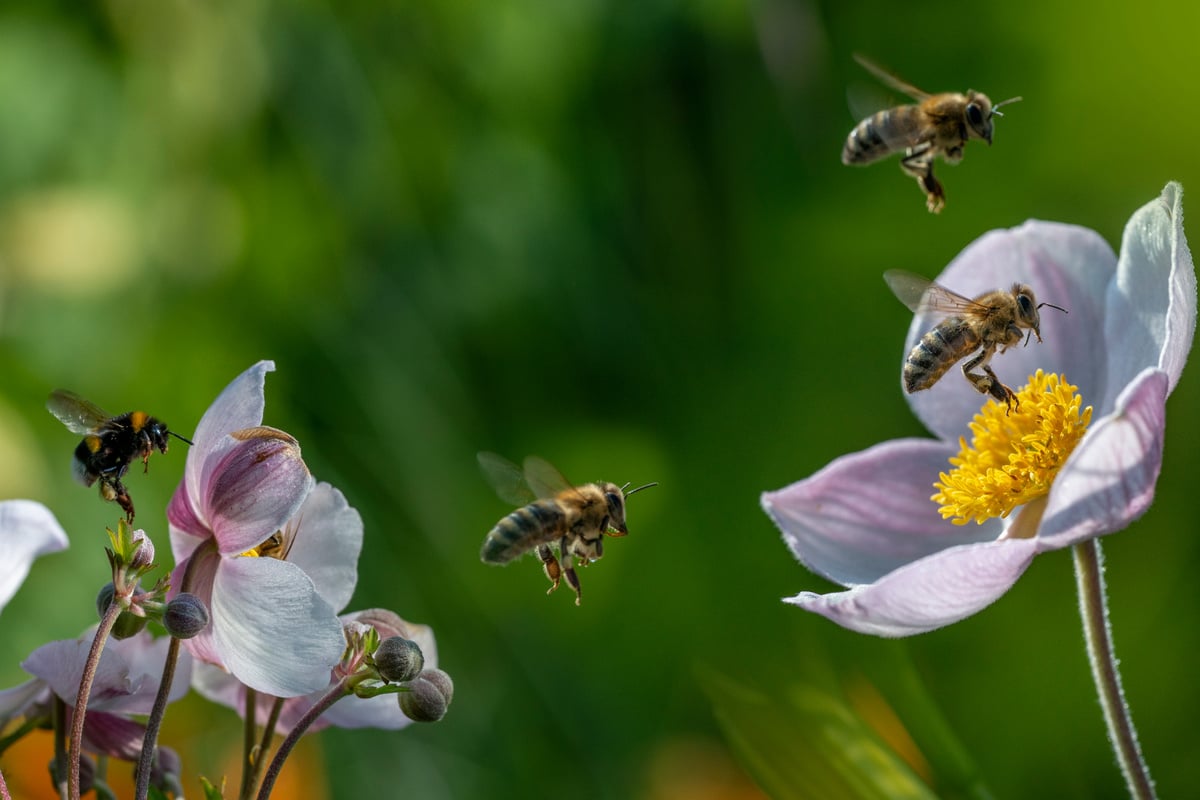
617 235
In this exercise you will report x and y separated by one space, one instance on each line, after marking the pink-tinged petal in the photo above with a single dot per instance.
276 633
868 513
327 536
255 488
1066 265
113 735
203 566
18 700
239 406
388 623
382 712
1109 479
929 593
126 678
27 530
1152 302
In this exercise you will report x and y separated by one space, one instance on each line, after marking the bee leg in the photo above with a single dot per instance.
573 580
114 491
988 383
918 163
550 566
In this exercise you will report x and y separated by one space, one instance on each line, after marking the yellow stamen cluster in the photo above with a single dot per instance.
1014 455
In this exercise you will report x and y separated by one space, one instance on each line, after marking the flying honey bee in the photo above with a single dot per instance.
939 124
577 517
992 321
110 443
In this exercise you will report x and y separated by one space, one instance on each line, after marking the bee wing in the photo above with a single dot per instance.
506 478
891 80
543 478
921 294
79 415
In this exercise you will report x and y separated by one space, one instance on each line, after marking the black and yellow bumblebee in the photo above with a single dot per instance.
110 443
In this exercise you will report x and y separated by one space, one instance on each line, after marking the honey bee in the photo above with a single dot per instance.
993 320
110 443
577 517
939 124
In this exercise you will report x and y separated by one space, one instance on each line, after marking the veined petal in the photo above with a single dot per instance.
326 540
257 486
126 678
868 513
27 530
17 700
274 631
928 593
1152 301
113 735
1109 479
1066 265
239 406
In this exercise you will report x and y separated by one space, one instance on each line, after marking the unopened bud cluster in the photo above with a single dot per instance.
428 696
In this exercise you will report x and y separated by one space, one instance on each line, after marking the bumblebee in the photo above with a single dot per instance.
577 517
110 443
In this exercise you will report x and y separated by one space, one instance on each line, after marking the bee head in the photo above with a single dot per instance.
979 113
615 497
1027 310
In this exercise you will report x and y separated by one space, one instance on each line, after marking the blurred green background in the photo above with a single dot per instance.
617 235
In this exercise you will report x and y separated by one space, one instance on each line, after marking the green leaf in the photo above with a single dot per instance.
212 792
806 742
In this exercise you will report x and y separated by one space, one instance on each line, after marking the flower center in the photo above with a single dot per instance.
276 546
1014 456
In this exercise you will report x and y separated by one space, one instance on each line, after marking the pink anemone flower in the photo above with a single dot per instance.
1043 477
234 520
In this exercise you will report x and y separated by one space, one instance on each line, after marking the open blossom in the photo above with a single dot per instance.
126 682
27 530
381 712
1079 458
271 556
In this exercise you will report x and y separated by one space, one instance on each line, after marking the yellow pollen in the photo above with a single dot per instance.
1013 457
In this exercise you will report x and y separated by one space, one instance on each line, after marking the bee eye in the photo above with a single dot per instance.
974 115
614 502
1026 305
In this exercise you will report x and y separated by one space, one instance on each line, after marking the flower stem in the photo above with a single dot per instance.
85 689
58 713
4 795
249 754
154 721
1093 607
335 693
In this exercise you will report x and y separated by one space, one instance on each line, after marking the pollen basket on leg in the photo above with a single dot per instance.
1013 456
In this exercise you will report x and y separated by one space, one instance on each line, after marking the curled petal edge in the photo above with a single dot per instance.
929 593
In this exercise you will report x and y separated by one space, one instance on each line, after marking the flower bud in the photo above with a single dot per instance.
104 598
143 555
185 616
128 625
399 659
428 696
164 774
87 773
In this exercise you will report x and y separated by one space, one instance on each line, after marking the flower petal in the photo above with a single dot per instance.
1152 301
202 574
929 593
1109 479
326 541
19 699
257 485
273 630
27 530
868 513
239 406
1066 265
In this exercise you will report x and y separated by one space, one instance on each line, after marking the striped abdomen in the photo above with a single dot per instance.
522 530
882 134
936 352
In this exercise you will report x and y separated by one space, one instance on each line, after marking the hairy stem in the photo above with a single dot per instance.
81 700
335 693
154 722
1093 607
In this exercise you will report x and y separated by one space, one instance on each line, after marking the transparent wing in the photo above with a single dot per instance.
543 478
889 79
506 478
79 415
921 294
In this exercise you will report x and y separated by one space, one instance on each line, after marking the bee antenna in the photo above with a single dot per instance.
996 108
1060 308
180 438
638 489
